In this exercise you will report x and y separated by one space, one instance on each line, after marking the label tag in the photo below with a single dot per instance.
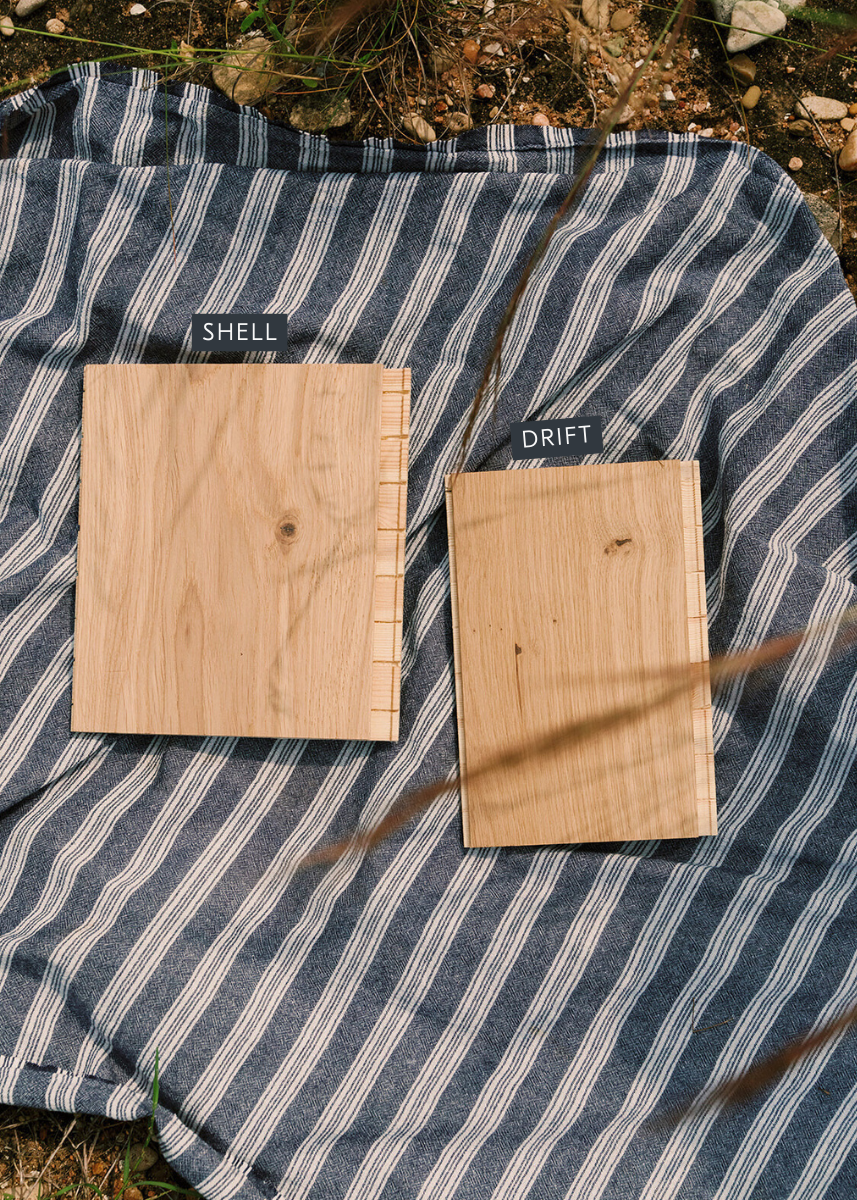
226 332
557 439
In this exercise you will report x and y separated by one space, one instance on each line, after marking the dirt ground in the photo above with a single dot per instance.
494 62
487 62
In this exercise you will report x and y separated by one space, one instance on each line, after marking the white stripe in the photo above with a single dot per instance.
375 918
161 933
55 504
752 1028
379 244
508 943
79 850
520 1055
50 373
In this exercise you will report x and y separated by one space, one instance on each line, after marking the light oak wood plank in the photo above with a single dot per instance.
570 586
227 559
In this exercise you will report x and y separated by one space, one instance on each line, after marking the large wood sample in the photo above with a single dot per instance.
571 586
241 550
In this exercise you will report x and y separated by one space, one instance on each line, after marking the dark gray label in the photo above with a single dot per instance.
557 439
228 332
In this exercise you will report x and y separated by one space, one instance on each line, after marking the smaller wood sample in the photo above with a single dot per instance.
572 587
241 550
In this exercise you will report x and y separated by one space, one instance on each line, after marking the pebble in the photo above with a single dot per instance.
493 48
540 119
458 123
596 13
6 26
418 127
485 91
751 97
800 129
667 96
142 1157
621 19
822 108
795 164
24 7
54 26
245 76
743 68
848 123
136 10
852 110
615 46
317 114
752 22
848 153
470 50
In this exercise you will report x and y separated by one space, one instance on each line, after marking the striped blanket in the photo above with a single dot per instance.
425 1021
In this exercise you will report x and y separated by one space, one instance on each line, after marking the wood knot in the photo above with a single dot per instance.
287 530
614 546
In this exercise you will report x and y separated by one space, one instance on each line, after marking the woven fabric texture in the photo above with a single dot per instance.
424 1021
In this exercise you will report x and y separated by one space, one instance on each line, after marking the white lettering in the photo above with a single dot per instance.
220 329
569 433
268 331
242 337
547 436
209 335
534 442
584 428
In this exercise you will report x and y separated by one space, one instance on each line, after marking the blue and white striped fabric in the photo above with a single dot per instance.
425 1022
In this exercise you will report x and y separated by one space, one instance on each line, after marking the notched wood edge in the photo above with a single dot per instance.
394 424
697 638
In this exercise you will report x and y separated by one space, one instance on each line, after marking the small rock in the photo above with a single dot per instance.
443 59
852 110
6 26
667 96
752 22
848 123
316 114
596 13
485 91
800 129
621 19
246 76
540 119
470 50
827 219
743 68
239 9
142 1157
707 132
493 48
25 7
723 10
625 115
751 97
137 10
131 1193
186 51
822 108
615 46
418 127
55 26
458 123
848 153
795 164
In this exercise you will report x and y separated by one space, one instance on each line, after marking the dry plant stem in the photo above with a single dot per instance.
679 679
493 368
741 1087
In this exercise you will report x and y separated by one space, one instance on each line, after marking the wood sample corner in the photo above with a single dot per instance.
241 550
570 587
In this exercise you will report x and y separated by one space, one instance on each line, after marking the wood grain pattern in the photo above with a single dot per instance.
239 529
567 583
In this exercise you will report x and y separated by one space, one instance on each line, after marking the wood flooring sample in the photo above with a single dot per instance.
241 550
567 584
